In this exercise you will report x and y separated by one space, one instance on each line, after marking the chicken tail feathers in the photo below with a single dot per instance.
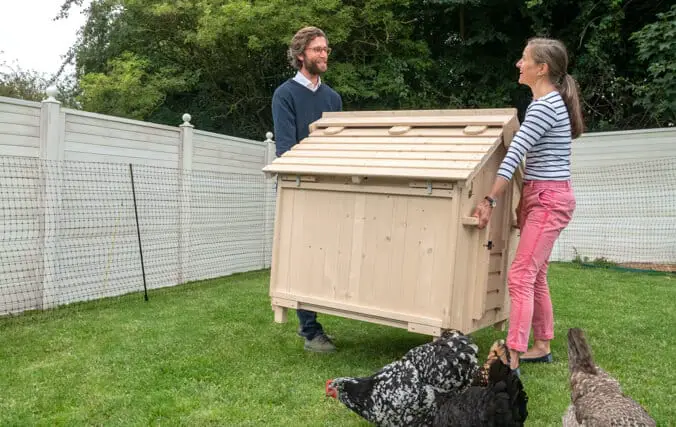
510 402
579 353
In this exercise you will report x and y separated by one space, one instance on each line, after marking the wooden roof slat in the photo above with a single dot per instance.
310 145
431 164
414 173
383 154
405 113
417 140
389 121
444 132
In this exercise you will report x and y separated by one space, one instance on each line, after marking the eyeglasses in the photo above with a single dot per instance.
320 49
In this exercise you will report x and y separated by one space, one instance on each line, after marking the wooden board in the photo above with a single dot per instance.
393 172
389 121
433 148
440 131
376 163
401 140
387 154
430 112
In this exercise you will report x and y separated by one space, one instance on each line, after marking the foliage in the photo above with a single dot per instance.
657 49
30 85
220 60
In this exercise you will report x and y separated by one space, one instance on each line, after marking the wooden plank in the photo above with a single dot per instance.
446 132
430 112
385 163
357 247
389 121
370 189
494 282
413 173
494 299
424 329
441 141
323 304
392 155
404 148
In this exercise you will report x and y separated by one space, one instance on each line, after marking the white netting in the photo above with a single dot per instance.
625 214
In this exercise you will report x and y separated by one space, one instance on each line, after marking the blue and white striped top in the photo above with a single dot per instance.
545 135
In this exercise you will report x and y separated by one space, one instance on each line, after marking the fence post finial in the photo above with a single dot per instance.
52 92
268 138
186 120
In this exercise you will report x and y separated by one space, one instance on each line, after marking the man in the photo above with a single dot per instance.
296 103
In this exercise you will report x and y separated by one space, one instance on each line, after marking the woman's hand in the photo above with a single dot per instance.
483 211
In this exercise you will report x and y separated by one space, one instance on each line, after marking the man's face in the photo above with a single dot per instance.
316 55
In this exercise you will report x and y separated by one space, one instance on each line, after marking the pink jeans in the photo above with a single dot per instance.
546 209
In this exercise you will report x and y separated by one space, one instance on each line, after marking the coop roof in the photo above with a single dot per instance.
420 144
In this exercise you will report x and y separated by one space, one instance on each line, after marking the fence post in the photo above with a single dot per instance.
270 198
51 154
185 154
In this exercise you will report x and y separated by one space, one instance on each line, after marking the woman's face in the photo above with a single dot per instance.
529 71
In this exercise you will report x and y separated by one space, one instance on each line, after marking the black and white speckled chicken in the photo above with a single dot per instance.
404 392
597 398
501 402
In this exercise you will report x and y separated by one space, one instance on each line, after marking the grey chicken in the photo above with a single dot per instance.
596 397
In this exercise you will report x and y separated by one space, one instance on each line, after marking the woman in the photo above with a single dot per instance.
552 120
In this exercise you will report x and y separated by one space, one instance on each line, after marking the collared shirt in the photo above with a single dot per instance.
300 78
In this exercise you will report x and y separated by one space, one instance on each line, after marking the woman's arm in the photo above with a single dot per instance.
540 117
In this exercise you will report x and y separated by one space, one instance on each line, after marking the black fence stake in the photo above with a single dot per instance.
138 231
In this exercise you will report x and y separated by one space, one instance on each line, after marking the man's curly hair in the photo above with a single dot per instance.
299 43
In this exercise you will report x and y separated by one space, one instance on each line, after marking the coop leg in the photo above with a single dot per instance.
500 326
280 313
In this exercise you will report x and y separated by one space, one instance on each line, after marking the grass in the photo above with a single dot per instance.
210 354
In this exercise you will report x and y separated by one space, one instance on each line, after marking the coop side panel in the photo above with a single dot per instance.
370 253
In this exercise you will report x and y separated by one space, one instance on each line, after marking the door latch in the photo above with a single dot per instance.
489 245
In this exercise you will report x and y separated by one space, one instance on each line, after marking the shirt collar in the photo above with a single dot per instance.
300 78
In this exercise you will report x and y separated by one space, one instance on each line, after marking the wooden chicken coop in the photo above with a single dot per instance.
373 219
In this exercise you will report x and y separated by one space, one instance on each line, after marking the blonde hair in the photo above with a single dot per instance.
299 43
554 54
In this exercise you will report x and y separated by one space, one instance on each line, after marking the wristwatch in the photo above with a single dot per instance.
491 201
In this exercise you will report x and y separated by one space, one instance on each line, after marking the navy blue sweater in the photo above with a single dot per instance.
294 107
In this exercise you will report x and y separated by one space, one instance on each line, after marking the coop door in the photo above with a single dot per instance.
492 248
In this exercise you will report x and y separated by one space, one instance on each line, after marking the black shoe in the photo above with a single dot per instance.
547 358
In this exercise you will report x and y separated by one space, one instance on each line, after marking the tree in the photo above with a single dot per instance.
30 85
220 60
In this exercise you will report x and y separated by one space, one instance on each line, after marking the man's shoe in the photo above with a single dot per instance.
301 335
320 344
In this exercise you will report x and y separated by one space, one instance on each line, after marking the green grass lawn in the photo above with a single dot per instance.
210 354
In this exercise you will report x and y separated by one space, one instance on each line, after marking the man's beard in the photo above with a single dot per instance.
313 68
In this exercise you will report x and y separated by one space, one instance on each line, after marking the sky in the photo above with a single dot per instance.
31 38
